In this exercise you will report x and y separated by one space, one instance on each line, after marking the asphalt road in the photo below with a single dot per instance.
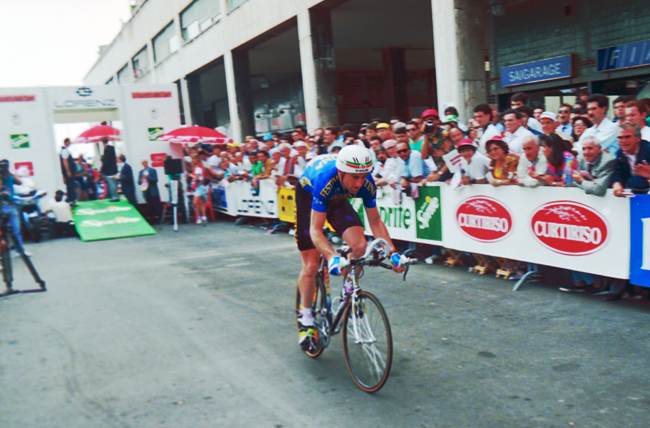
197 329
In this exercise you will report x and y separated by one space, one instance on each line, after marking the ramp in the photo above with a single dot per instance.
98 220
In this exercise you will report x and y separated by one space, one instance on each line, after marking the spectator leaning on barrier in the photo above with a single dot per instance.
580 125
393 165
415 170
564 120
595 168
603 127
477 164
300 161
515 132
632 168
637 113
380 173
561 162
503 165
532 163
483 115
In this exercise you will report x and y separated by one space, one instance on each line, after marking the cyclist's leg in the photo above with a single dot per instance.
345 220
307 278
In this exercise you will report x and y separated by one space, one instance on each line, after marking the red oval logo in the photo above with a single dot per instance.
569 228
484 219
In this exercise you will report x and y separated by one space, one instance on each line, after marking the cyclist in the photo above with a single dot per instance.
322 194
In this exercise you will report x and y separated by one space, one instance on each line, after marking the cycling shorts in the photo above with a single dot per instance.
340 215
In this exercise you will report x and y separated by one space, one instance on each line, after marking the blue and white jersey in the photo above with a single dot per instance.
321 180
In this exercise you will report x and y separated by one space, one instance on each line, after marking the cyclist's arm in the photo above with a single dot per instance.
317 237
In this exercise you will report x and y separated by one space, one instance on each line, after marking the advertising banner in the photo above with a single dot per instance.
19 141
413 220
562 227
640 240
238 199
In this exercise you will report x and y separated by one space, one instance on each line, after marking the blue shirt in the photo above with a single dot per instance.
321 180
415 167
9 183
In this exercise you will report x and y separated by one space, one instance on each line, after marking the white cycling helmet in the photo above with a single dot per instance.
354 159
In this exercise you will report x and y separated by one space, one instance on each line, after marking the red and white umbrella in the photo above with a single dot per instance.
195 134
95 135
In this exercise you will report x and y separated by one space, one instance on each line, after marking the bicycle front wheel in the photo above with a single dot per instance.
367 342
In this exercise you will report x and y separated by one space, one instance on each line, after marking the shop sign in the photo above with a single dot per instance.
537 71
484 219
624 56
158 160
569 228
640 240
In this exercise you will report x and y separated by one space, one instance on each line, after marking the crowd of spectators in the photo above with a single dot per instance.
576 146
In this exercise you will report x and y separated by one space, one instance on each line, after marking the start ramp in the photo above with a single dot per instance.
99 220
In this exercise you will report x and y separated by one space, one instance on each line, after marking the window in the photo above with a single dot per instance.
197 17
123 76
235 3
140 63
165 43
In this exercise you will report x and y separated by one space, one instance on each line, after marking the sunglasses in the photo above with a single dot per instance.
403 151
411 129
565 111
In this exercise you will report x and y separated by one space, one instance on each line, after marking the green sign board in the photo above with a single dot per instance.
19 141
428 214
357 204
97 220
155 133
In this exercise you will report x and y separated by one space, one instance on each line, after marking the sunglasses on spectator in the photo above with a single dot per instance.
411 129
403 151
493 149
565 111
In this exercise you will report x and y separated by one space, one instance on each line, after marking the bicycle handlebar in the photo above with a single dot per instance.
378 257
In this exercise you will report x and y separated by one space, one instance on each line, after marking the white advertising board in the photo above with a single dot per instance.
237 199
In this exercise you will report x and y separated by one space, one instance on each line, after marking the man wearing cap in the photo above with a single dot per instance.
393 165
531 163
548 119
384 132
515 131
477 164
299 161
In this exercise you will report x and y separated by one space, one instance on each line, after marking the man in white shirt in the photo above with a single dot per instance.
61 211
515 132
636 112
520 100
299 161
604 129
532 161
393 165
483 115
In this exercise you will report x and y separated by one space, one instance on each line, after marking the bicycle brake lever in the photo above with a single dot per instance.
406 270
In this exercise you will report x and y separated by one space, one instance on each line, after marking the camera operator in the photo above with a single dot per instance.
7 206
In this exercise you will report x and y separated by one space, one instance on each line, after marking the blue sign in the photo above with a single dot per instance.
537 71
624 56
640 240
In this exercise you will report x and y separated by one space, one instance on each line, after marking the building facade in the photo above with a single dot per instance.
254 66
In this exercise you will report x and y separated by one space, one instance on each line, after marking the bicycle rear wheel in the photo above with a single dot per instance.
367 342
319 309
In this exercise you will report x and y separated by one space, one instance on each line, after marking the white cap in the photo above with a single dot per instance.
284 146
548 115
293 153
389 143
299 144
274 150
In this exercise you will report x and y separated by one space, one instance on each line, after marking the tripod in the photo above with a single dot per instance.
7 236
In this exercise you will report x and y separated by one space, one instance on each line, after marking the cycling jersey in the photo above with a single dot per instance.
321 181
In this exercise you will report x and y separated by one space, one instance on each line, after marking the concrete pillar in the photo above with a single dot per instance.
194 99
458 40
185 99
318 67
240 94
396 87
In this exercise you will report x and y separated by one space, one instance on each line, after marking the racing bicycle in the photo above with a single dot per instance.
358 315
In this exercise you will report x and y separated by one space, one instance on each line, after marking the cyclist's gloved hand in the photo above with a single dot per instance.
399 259
336 265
